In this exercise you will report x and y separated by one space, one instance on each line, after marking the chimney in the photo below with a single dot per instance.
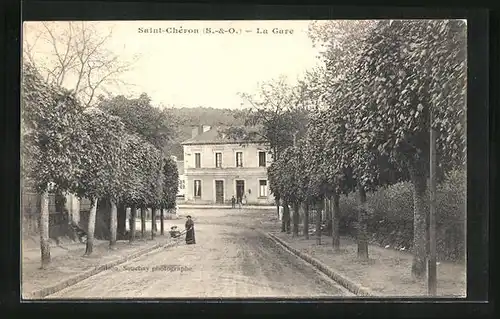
195 131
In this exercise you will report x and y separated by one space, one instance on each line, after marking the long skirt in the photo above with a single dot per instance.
190 239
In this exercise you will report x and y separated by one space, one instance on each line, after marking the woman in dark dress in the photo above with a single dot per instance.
190 239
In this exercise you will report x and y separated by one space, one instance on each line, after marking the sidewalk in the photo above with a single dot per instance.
68 261
387 273
202 206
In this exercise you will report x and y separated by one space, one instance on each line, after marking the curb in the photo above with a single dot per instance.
39 294
333 274
224 207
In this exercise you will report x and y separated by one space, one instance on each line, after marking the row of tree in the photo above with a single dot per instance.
98 153
362 120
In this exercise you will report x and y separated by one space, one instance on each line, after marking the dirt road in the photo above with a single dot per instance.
227 261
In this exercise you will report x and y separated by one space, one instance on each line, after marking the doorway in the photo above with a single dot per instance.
219 192
240 190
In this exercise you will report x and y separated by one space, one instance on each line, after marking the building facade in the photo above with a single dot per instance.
216 169
181 193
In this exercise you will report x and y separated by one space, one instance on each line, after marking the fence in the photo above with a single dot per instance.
30 210
85 204
59 217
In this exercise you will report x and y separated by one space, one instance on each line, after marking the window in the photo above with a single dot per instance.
218 160
197 188
182 184
239 159
262 159
197 160
262 188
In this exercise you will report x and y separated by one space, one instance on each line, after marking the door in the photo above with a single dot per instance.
240 190
219 192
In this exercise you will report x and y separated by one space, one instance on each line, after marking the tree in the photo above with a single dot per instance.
277 115
77 59
140 117
277 188
287 178
341 163
329 166
153 171
52 135
302 191
170 183
170 186
340 42
410 69
102 173
134 186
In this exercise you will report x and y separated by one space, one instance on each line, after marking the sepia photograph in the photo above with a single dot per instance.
243 159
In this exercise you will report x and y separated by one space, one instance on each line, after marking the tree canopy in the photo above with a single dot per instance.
380 85
90 151
140 117
53 134
410 69
170 183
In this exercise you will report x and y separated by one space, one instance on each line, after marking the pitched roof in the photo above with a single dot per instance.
211 136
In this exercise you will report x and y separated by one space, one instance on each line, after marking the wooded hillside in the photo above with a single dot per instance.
185 118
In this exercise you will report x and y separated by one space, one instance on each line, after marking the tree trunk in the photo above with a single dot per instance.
91 227
419 268
286 212
113 220
306 219
295 231
133 214
122 220
103 216
143 222
283 217
162 227
362 229
318 224
278 209
335 216
285 222
153 223
44 229
154 212
328 216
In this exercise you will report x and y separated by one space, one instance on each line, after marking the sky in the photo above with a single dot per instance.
190 70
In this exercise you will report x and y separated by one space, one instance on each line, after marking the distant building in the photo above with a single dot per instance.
217 168
182 181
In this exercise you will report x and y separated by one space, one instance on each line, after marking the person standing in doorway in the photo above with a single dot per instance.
233 202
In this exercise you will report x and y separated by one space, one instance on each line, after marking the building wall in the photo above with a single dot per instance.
73 207
208 193
182 185
180 169
208 173
181 193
